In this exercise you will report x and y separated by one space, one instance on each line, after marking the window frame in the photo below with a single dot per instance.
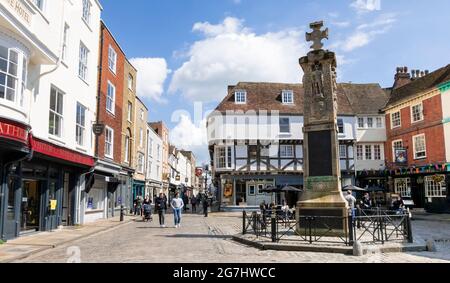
367 152
238 95
65 46
130 81
370 125
59 94
345 155
226 158
394 147
111 142
86 14
79 126
434 189
287 97
404 191
379 122
113 99
288 125
140 163
112 59
130 112
416 157
127 150
19 79
361 119
413 120
83 62
399 120
341 125
377 153
360 152
284 152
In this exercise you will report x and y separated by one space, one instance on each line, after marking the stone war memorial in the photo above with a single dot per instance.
322 197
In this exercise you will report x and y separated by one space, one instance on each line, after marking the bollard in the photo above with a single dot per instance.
409 226
274 226
121 213
244 215
350 230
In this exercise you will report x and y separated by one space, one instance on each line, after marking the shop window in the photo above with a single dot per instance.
435 186
403 187
95 200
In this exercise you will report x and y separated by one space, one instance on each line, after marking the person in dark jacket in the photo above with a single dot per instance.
161 207
205 205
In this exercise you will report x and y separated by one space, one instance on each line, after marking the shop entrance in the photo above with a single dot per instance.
30 219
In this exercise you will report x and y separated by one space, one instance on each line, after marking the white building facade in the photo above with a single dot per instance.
154 163
48 85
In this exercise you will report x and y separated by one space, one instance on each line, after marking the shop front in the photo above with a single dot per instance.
138 189
154 188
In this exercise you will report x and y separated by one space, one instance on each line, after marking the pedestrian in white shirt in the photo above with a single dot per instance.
177 204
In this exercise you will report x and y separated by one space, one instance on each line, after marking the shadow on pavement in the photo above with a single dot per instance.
191 236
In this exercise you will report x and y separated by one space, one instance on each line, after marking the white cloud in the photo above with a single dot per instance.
152 73
229 52
341 24
356 40
364 6
188 135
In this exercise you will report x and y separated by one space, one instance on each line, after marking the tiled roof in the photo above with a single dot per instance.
419 85
353 99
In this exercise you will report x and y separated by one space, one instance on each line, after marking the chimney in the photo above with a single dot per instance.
402 77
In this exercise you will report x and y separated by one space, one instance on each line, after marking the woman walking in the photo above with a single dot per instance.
177 205
161 207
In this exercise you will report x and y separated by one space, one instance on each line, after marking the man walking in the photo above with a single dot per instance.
161 206
194 204
351 200
205 205
177 205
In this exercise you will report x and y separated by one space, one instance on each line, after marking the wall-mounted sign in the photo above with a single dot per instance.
98 129
53 203
401 156
198 171
21 9
13 131
177 178
228 190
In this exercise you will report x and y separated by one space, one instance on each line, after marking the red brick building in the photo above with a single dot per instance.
416 149
104 193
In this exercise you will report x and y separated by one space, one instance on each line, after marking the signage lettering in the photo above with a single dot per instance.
13 132
20 10
61 153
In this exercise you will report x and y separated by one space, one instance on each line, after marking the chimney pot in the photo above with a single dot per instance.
413 74
427 72
405 69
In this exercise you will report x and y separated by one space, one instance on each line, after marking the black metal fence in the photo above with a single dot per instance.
366 226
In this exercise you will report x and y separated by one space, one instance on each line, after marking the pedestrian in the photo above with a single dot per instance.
194 204
205 205
161 207
351 200
177 205
139 203
366 202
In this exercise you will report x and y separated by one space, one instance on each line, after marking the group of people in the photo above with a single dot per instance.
178 204
366 203
285 209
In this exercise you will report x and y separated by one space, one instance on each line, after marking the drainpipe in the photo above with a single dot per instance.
100 70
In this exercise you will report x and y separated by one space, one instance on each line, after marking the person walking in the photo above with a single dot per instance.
205 205
194 204
177 205
161 207
351 200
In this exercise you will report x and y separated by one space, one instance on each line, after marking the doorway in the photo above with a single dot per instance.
30 206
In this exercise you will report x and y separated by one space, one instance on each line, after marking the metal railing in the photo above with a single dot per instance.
367 226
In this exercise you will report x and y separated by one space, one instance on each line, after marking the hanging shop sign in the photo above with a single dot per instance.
13 131
401 156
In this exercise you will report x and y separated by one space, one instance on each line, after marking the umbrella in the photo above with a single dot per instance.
353 188
291 189
270 189
275 189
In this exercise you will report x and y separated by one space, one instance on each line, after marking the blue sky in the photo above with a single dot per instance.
189 50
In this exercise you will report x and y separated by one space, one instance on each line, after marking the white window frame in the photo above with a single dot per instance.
413 120
360 152
286 151
339 121
142 114
343 151
370 125
16 92
83 70
40 4
287 96
226 158
140 163
112 59
127 150
141 137
394 147
86 11
433 189
65 42
289 125
240 97
80 125
361 119
402 187
377 152
399 120
130 111
379 122
130 81
55 113
416 157
111 96
109 143
158 153
366 152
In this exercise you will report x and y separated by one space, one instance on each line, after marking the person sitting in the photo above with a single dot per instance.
399 205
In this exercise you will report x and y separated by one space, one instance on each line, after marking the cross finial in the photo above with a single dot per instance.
317 35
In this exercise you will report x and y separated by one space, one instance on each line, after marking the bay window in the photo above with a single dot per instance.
223 157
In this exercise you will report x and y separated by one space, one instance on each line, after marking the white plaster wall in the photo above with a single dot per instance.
153 155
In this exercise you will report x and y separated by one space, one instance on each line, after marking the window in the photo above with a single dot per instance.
396 145
80 124
130 82
361 123
112 59
142 114
83 62
368 152
157 171
87 11
379 122
343 151
127 149
65 42
417 113
340 124
288 97
251 190
377 152
369 122
396 120
435 186
223 157
130 111
285 127
141 137
158 153
12 64
359 152
111 98
140 165
109 142
286 151
403 187
420 148
240 97
150 148
95 200
149 167
39 4
56 112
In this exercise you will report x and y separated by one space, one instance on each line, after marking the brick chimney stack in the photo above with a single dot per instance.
402 77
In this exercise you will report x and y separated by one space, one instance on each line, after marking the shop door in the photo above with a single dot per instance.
12 219
66 201
30 207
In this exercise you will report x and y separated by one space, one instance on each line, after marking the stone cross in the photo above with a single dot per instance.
317 35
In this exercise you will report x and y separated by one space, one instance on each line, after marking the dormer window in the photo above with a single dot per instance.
240 97
288 97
